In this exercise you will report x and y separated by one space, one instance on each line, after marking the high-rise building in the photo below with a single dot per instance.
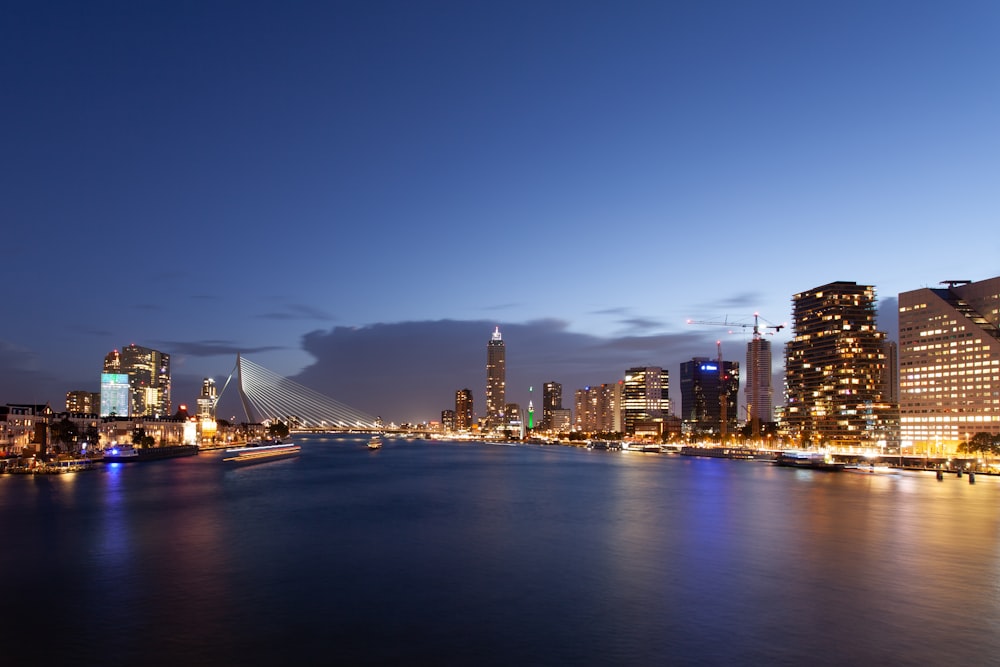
448 420
207 399
645 396
834 369
598 409
757 390
551 400
83 402
496 380
949 364
703 390
463 410
149 380
148 373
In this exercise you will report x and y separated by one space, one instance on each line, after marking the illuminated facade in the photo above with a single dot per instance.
114 395
496 380
551 400
598 409
758 391
463 410
702 390
949 364
835 369
148 373
645 396
83 402
207 400
149 379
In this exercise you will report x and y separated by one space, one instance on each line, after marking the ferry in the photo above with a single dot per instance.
121 454
261 452
375 442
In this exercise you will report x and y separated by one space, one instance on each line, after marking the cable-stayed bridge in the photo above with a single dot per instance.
267 396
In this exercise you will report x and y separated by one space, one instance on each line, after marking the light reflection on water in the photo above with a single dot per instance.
467 553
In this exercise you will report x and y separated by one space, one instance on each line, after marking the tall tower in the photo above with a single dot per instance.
207 400
758 391
496 380
834 367
949 364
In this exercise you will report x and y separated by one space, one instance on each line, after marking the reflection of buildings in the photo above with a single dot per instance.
496 380
834 369
949 363
703 388
148 376
645 398
463 410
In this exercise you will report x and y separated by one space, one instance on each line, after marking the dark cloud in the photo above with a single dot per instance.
641 324
409 371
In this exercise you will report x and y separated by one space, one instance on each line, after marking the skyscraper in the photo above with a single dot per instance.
207 400
496 380
834 366
949 364
551 400
645 396
148 375
758 391
463 410
703 389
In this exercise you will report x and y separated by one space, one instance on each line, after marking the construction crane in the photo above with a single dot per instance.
723 392
756 325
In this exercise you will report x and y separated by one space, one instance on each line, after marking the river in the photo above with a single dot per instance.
475 554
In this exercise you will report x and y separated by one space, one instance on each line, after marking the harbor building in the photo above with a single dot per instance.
496 380
706 390
949 364
835 370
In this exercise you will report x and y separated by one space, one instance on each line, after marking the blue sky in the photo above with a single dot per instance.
328 186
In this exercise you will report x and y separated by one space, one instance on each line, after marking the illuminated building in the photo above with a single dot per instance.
598 409
949 364
448 420
114 395
645 397
758 391
83 402
207 400
703 389
463 410
148 373
496 380
551 400
834 369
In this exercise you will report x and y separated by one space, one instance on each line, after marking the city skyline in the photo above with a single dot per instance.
354 196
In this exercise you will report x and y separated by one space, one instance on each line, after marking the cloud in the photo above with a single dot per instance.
409 371
297 311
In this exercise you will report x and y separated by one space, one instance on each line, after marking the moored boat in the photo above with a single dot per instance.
808 461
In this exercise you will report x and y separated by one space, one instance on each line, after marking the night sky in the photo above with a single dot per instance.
354 194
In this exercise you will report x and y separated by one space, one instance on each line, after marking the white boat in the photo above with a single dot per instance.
261 452
375 442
